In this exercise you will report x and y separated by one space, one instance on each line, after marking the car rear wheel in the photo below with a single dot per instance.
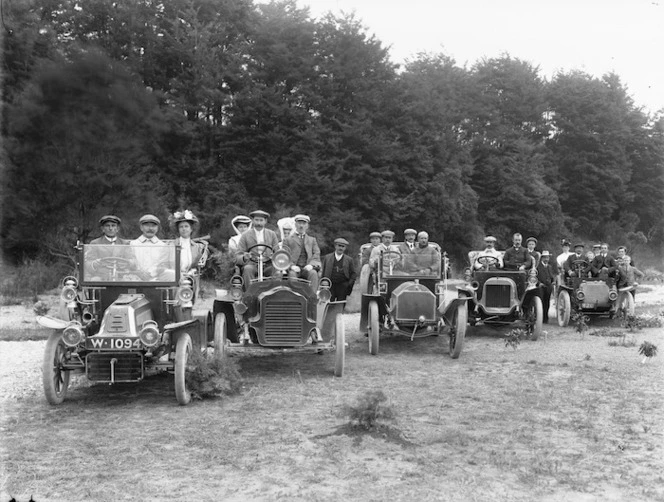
625 304
536 317
220 336
54 377
340 346
563 308
374 328
458 330
183 351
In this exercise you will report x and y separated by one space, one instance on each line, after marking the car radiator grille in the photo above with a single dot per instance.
283 322
497 295
127 367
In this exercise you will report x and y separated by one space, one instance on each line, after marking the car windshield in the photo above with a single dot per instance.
154 263
422 262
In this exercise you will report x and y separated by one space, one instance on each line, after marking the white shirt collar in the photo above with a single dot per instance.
338 256
144 239
110 240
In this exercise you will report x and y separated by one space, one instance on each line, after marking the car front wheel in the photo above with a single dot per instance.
536 317
374 328
183 351
54 377
458 331
563 308
220 335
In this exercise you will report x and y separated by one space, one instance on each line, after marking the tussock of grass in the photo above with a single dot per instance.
209 376
371 408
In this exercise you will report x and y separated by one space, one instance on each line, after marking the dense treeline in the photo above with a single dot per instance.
223 106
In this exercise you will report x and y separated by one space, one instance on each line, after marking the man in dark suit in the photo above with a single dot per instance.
340 269
257 234
517 257
570 269
305 252
408 245
101 246
603 265
547 271
110 226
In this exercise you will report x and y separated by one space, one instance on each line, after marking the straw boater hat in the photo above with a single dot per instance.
545 253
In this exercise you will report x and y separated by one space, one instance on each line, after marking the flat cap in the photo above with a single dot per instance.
260 213
341 240
410 231
374 234
579 245
149 218
490 238
109 218
302 217
531 239
387 233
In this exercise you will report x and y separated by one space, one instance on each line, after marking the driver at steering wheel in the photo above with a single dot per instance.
387 237
253 237
489 250
580 270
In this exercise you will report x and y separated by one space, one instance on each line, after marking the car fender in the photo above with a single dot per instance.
450 308
530 293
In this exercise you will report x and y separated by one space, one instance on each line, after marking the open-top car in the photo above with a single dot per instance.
127 312
408 297
501 297
277 313
592 296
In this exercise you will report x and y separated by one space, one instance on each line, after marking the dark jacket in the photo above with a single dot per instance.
348 267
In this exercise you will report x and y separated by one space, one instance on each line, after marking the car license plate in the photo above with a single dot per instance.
114 343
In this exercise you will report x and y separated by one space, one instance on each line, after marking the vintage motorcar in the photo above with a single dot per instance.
277 313
409 297
592 296
501 297
127 313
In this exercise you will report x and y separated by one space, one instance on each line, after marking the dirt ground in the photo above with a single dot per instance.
567 418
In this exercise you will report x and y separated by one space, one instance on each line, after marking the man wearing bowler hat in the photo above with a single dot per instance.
340 269
257 234
305 252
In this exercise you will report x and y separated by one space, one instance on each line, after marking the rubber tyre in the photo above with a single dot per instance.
183 350
374 328
563 308
458 330
626 304
220 336
54 378
340 346
536 312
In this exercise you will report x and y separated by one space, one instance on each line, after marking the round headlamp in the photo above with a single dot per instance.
68 294
236 293
281 260
186 281
325 283
580 295
185 294
149 334
240 308
532 279
324 295
73 335
613 295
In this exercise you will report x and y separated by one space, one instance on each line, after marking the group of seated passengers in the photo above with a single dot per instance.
149 254
414 256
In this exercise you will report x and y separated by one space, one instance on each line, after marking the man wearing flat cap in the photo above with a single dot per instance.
531 242
152 254
110 226
387 237
489 250
305 252
578 254
340 269
365 252
257 234
409 244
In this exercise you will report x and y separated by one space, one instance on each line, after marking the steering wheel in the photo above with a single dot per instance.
254 256
487 261
114 263
580 263
391 256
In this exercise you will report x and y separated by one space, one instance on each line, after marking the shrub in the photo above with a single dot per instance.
209 376
513 338
31 278
580 322
371 407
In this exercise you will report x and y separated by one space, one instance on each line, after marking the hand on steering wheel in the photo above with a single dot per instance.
487 261
112 263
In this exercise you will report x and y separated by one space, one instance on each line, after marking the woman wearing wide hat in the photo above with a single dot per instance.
193 253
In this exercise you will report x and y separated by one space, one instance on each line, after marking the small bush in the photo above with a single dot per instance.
209 376
580 322
30 279
40 308
371 407
514 337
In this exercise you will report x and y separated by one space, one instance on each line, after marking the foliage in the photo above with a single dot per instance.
514 337
209 376
32 277
40 308
580 322
370 408
648 349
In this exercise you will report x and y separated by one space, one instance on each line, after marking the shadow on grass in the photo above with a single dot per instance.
379 431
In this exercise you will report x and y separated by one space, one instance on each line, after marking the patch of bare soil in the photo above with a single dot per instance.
568 417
